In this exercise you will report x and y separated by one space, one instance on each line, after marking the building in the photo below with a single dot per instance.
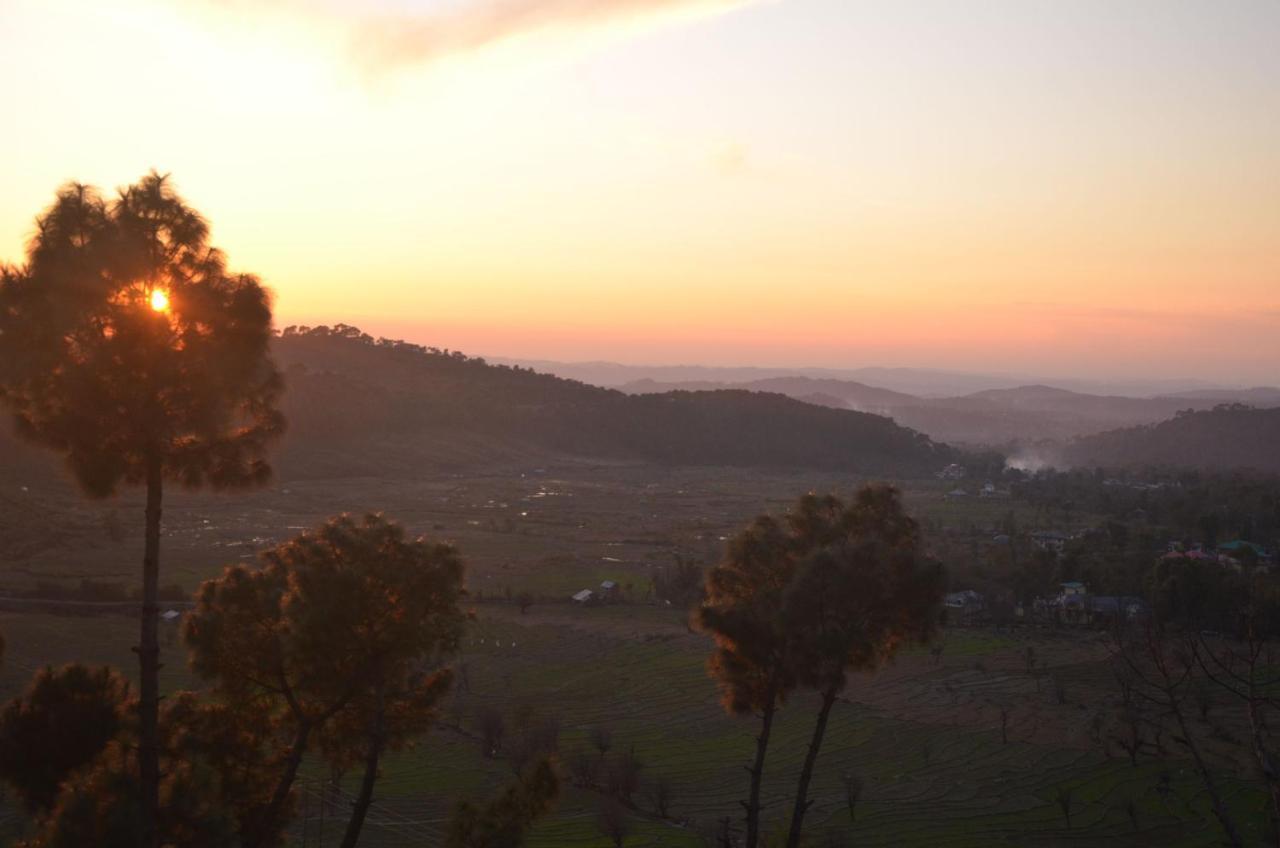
1238 548
965 598
964 607
1049 540
583 597
1076 606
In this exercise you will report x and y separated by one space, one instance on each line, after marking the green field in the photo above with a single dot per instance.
924 735
935 770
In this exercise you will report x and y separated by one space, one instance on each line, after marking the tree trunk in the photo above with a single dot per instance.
149 660
377 738
806 774
1267 764
1215 799
757 769
257 835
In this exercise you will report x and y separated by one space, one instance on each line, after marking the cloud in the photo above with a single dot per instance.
408 37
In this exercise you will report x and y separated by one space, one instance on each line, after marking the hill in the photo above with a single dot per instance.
1261 396
357 406
386 401
920 382
1225 437
996 417
851 394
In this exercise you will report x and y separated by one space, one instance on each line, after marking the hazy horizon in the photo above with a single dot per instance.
1084 190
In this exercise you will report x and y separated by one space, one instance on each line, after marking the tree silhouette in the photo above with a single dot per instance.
864 590
215 773
750 664
1242 665
399 707
126 345
613 822
339 629
852 794
62 721
504 821
1161 668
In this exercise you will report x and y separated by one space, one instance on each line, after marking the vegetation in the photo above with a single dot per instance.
373 393
63 721
318 663
127 346
1229 436
504 822
341 632
863 589
801 602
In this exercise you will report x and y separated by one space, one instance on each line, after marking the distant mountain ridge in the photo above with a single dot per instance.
994 417
362 406
1230 436
402 390
345 387
1260 396
358 406
921 382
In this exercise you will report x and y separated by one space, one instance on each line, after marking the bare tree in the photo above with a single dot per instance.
1063 796
622 775
1130 807
584 769
661 793
601 740
1029 657
1243 668
852 793
493 728
614 822
1130 731
1162 671
533 740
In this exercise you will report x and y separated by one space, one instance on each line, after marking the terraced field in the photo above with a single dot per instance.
924 735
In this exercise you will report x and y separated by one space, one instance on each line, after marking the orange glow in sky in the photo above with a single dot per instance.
1061 188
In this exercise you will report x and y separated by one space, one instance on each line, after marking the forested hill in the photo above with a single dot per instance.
1225 437
354 400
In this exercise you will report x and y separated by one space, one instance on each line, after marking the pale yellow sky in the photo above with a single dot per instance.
1084 187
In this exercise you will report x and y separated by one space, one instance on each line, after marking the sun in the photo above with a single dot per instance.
160 300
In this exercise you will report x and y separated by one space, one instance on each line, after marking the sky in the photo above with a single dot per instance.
1068 187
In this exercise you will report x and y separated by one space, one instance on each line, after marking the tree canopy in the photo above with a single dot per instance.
124 335
62 721
342 632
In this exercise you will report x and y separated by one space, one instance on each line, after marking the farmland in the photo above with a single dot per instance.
924 736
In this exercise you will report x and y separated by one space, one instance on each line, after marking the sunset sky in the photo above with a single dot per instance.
1058 187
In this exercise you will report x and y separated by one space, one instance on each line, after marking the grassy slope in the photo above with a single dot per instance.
943 781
